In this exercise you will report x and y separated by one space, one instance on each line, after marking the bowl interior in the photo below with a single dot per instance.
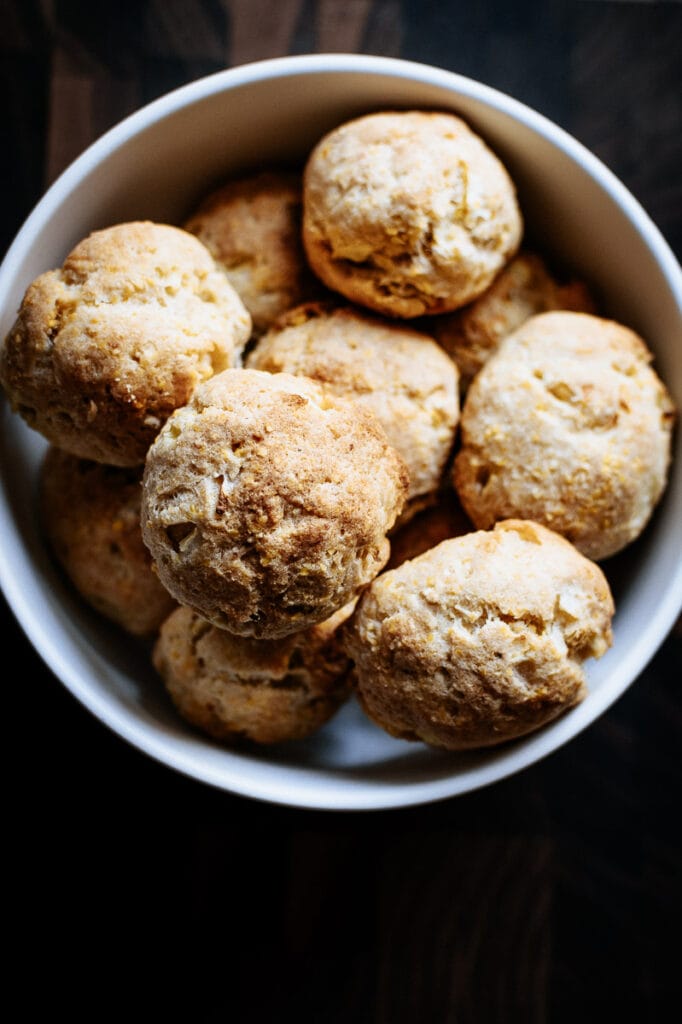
156 165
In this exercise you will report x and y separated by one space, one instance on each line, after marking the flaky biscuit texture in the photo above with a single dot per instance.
408 212
266 691
252 227
399 374
481 639
522 289
267 500
91 516
105 348
568 425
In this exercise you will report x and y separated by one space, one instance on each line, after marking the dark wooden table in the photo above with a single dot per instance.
553 896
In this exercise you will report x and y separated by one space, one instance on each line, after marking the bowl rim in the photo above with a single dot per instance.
343 795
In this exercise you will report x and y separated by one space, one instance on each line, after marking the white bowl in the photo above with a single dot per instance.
155 165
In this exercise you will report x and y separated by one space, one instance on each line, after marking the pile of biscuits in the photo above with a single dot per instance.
255 448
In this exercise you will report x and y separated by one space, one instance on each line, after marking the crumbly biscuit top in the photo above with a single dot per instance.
482 638
408 212
267 501
519 573
107 346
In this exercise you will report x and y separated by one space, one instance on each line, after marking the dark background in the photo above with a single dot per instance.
552 896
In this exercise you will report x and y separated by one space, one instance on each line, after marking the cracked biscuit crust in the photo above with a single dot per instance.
399 374
481 639
266 691
91 515
523 289
252 228
408 213
567 425
267 500
105 348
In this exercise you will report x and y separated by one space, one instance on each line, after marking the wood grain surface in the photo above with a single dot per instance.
553 896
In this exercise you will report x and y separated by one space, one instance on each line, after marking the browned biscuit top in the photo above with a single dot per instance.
267 501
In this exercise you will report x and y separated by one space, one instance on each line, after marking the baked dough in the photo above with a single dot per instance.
523 289
91 517
399 374
567 425
105 348
266 691
267 500
481 639
408 212
252 227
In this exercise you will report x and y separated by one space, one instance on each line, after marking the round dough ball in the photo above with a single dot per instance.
481 639
400 375
408 213
91 515
105 348
267 500
567 425
524 288
266 691
252 227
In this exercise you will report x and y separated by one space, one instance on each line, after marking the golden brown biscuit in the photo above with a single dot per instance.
408 213
267 500
521 290
266 691
567 425
91 515
106 347
252 227
399 374
481 639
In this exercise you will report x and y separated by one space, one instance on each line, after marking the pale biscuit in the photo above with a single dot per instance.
91 517
265 691
524 288
481 639
399 374
252 227
267 500
567 425
408 213
105 348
